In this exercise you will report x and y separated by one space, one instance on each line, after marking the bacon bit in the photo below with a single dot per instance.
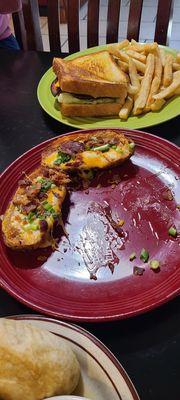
26 209
167 195
42 258
138 270
24 182
121 222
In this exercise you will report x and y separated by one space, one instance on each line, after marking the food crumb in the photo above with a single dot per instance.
132 256
138 270
121 222
41 258
167 195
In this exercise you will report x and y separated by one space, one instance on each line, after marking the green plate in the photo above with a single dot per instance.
48 103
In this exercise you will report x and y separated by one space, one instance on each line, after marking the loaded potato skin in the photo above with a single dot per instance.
82 151
29 219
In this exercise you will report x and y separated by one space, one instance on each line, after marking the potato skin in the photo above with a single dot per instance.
85 137
12 235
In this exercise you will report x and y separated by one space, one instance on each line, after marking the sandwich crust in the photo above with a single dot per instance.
76 78
91 110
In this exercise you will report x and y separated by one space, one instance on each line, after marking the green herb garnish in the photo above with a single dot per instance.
132 145
154 264
172 231
103 148
132 256
144 256
49 210
31 216
62 158
114 147
31 227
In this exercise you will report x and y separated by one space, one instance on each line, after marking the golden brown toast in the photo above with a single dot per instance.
77 77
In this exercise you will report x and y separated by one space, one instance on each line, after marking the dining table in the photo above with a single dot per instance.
147 345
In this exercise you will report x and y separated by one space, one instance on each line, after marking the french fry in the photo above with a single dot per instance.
178 57
157 105
145 86
154 89
126 108
139 65
145 47
168 73
163 56
123 56
136 55
123 65
176 66
169 91
177 91
133 74
132 89
155 83
114 48
158 68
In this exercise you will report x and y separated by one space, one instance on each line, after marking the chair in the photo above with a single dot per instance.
27 27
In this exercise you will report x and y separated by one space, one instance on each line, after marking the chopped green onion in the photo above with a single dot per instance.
31 227
144 256
114 147
172 231
103 148
47 206
119 150
154 264
62 158
31 216
132 256
132 145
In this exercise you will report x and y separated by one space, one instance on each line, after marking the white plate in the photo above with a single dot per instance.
102 376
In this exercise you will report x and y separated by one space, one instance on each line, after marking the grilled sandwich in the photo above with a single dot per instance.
90 85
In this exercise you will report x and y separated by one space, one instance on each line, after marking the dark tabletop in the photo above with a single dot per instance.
148 346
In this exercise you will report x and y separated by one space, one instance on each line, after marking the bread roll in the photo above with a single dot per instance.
34 364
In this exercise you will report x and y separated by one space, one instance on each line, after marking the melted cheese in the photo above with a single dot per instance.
49 160
53 200
94 159
112 155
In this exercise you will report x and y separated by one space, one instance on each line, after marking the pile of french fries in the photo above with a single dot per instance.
153 75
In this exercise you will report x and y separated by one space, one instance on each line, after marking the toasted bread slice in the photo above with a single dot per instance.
91 110
102 65
29 219
76 79
84 151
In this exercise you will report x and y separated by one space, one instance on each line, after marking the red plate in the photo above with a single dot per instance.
61 284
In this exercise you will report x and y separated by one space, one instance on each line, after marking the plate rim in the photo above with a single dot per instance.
79 126
10 287
88 335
